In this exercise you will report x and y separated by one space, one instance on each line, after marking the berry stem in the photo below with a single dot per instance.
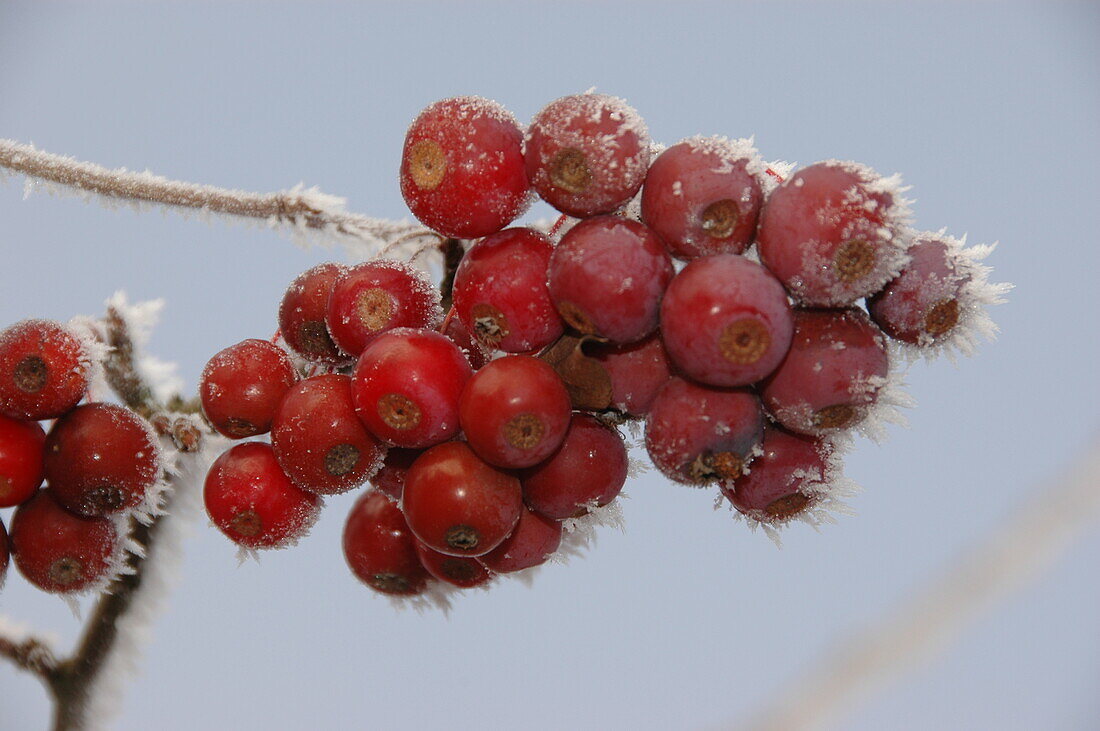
453 251
292 209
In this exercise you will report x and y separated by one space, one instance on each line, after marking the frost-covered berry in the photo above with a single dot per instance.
726 321
302 315
833 233
241 387
390 477
43 370
532 541
101 459
375 296
500 291
587 154
461 571
253 502
319 441
406 387
792 473
458 504
703 195
832 375
462 168
58 551
637 371
588 471
380 549
922 304
514 411
607 277
698 435
22 451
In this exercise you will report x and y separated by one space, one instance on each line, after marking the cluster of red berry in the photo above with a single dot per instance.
100 462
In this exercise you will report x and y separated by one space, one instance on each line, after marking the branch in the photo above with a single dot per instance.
32 655
1033 538
297 209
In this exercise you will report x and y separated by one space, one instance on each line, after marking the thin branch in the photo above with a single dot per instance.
1033 538
32 655
297 208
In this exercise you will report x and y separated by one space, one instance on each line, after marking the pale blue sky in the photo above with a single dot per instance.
989 110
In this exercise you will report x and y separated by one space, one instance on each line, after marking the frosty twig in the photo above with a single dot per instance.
297 209
30 654
1034 537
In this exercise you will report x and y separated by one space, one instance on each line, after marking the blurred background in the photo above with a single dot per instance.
686 620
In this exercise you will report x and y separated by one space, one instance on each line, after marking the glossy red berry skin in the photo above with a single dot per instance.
500 292
831 233
22 453
58 551
390 477
302 315
253 502
587 154
462 169
703 196
5 554
698 435
922 305
515 411
461 571
101 459
588 469
780 484
607 277
638 371
43 370
319 441
458 504
535 537
406 387
726 321
380 549
453 328
832 374
370 298
242 385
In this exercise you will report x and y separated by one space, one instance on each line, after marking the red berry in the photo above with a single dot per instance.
703 196
458 504
320 443
588 469
407 385
832 233
390 477
462 168
698 435
380 549
515 411
638 371
726 321
242 385
302 315
253 502
101 459
460 571
375 296
607 277
587 153
535 537
921 306
5 552
22 450
58 551
43 370
501 295
785 479
831 375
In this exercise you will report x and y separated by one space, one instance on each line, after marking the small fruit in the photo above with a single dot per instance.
302 315
253 502
532 541
242 385
43 370
380 549
22 453
460 571
588 470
